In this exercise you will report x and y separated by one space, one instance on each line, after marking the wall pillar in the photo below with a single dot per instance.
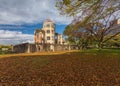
28 50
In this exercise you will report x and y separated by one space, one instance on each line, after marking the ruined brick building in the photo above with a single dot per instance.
45 39
47 35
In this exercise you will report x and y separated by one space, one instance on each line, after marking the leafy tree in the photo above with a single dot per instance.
99 17
115 42
86 7
81 36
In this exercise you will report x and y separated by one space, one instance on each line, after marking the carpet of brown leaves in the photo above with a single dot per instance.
68 69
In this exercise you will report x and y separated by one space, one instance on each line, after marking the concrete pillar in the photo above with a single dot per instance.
28 50
36 48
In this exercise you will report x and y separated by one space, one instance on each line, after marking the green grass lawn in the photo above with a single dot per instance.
67 69
117 50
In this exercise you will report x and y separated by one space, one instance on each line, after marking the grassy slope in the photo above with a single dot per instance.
89 69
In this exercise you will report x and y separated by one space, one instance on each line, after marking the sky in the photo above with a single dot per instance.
20 18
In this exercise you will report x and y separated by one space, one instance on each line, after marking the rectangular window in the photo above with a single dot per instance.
48 38
48 25
48 31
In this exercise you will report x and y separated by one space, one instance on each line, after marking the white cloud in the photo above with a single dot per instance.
29 11
18 12
14 37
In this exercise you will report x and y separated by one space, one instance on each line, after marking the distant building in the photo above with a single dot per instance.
5 49
47 34
59 38
118 21
115 22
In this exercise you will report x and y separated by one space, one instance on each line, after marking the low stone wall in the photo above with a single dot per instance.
21 48
29 48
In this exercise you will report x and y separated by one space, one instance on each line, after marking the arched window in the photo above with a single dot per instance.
48 31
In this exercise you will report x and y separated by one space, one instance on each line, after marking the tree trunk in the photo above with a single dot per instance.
100 45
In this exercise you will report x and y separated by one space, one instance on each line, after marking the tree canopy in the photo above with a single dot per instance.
99 17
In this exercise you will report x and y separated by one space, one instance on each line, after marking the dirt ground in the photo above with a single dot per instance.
60 69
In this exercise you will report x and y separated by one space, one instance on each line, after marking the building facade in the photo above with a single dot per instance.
47 34
39 36
49 28
59 38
